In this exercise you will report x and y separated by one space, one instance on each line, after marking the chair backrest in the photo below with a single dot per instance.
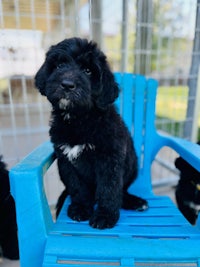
136 104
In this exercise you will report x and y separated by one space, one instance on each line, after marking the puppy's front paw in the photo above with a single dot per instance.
79 212
103 218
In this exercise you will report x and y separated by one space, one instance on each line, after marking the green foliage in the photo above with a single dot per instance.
171 108
172 102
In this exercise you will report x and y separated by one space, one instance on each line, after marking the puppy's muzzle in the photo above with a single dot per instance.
68 84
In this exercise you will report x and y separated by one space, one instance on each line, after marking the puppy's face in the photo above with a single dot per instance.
76 73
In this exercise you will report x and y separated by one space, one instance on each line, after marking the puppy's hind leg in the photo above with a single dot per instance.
132 202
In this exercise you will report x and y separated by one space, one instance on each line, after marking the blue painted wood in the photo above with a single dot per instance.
33 214
139 110
156 237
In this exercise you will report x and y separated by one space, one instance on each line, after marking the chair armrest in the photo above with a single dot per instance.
33 214
187 150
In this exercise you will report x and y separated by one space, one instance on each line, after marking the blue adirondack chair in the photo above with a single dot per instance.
160 236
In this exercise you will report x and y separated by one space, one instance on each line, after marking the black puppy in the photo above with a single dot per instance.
96 158
188 190
8 225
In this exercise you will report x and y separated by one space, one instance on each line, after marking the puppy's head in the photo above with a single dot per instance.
76 73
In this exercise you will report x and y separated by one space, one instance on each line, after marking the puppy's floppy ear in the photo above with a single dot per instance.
109 90
40 79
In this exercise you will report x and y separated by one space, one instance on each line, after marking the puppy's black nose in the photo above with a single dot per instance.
68 84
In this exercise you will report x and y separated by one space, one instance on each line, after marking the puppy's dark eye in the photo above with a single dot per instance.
87 71
61 65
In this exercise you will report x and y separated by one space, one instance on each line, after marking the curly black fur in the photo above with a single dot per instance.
188 190
8 226
96 158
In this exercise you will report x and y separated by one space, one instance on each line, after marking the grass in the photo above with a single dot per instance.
171 107
172 102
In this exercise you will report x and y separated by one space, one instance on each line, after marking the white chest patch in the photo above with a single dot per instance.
63 103
74 152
